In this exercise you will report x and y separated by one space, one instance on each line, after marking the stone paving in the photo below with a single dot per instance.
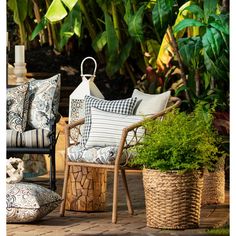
99 223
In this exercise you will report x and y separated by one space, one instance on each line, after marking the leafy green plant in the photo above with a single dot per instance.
205 53
180 142
126 35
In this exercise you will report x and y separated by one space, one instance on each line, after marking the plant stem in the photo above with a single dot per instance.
197 81
130 73
115 21
38 18
176 51
50 39
89 24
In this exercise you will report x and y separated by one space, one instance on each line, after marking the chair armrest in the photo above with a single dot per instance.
132 129
74 125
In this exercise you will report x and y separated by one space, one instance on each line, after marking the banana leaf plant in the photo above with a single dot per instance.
206 54
126 35
22 9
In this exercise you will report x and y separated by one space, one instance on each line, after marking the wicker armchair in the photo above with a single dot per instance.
117 166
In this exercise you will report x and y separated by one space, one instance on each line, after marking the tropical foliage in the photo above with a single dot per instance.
205 52
174 44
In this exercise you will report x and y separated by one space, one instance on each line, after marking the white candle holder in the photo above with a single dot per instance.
20 72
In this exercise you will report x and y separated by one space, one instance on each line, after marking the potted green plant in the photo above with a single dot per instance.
174 152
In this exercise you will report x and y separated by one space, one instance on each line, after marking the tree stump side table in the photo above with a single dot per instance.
86 189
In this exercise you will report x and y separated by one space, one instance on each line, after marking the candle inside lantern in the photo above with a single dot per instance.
19 54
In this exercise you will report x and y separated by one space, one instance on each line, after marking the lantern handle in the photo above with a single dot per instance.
95 67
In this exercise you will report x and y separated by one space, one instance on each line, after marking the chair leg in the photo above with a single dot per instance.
128 199
115 195
64 191
52 171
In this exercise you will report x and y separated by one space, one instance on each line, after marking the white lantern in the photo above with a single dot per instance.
86 87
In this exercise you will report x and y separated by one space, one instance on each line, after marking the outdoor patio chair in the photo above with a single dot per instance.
130 136
32 114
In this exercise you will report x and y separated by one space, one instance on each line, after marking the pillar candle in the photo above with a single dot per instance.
19 54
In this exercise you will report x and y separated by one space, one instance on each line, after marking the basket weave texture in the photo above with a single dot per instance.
213 191
173 200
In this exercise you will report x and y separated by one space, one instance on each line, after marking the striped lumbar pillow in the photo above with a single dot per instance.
123 106
31 138
106 128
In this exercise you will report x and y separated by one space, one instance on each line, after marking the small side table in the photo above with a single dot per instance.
86 189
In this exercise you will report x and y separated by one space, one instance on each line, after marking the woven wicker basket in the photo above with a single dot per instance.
173 200
213 191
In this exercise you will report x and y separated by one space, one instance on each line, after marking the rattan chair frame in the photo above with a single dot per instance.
123 146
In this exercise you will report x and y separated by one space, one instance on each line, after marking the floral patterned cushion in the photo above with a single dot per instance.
27 202
99 155
17 107
44 98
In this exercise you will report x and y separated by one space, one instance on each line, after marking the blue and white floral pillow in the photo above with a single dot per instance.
17 107
44 96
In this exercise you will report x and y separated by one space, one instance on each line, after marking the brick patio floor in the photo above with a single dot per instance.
99 223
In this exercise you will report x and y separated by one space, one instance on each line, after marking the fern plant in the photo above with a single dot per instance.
179 142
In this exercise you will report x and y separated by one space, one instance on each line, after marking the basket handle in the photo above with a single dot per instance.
95 67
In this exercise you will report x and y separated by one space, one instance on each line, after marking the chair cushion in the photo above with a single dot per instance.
43 101
150 103
27 202
99 155
30 138
106 128
124 106
17 107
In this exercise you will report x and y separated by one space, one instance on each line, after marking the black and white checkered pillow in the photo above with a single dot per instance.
123 106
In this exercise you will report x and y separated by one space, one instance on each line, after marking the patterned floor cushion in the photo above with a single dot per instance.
30 138
27 202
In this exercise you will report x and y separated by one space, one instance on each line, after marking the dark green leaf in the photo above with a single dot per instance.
112 40
128 12
162 13
212 43
115 62
71 25
100 41
207 79
212 67
190 50
219 27
187 23
181 89
196 10
209 7
40 26
19 7
135 26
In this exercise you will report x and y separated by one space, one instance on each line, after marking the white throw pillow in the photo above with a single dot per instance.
106 128
122 106
148 104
